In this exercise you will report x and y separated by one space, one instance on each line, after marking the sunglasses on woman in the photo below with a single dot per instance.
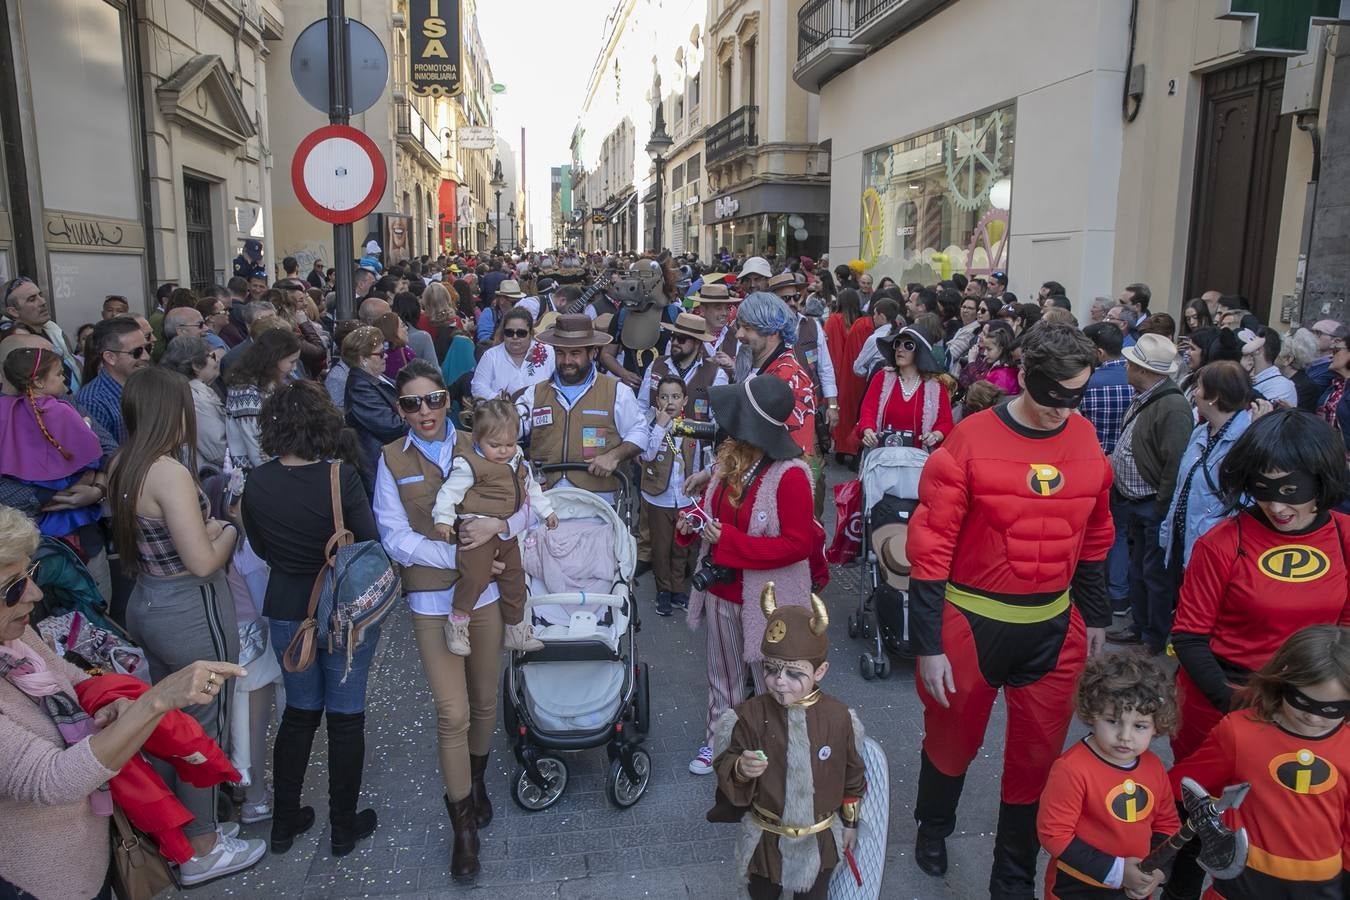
907 346
411 403
15 590
515 332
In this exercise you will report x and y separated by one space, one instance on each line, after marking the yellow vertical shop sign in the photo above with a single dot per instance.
434 47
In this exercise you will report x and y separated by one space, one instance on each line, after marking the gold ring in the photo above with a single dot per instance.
211 678
210 685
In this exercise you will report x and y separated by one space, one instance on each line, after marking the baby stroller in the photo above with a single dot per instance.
586 687
890 494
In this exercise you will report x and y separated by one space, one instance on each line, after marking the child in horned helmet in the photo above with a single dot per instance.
789 764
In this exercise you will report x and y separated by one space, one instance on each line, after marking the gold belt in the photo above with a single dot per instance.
771 823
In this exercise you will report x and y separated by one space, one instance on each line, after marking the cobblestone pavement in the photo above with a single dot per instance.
583 847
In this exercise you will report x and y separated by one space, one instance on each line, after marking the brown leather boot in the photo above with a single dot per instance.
464 849
482 806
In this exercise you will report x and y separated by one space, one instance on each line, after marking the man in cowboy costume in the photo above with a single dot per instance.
789 762
580 415
714 305
688 360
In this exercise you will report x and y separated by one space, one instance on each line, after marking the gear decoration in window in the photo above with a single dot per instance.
873 228
973 156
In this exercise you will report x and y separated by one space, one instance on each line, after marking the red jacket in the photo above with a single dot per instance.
137 788
1013 515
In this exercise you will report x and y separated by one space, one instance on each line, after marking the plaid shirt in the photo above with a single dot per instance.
1108 396
102 397
1126 471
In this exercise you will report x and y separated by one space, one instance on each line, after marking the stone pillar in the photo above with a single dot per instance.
1328 265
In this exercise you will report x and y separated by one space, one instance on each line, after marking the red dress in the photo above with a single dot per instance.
901 414
843 350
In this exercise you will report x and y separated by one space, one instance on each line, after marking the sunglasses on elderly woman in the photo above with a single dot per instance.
411 403
15 590
515 332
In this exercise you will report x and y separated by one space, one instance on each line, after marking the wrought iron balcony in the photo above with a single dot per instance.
734 133
875 21
824 42
416 135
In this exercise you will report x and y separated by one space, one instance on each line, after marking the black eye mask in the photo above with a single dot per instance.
1048 392
1296 487
1327 709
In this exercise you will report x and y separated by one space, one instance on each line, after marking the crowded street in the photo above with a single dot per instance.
717 449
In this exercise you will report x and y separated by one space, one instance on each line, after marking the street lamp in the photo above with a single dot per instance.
511 214
498 181
657 145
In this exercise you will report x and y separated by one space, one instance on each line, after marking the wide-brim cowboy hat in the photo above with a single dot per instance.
690 325
573 330
924 357
713 292
757 412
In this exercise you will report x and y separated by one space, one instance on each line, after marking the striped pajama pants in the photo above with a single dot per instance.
726 661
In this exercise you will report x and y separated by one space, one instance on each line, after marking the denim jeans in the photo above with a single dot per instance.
1118 564
322 686
1152 588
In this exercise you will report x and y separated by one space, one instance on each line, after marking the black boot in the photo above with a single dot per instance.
290 759
464 844
935 811
1016 846
482 806
346 757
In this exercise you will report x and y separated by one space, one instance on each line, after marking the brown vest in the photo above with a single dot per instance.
656 472
418 479
497 490
576 435
695 389
807 349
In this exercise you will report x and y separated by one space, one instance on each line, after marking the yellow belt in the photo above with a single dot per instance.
769 822
1006 612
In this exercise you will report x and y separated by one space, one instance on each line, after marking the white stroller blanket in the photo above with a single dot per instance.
574 696
577 556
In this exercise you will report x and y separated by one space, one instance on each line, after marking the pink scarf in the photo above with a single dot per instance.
25 668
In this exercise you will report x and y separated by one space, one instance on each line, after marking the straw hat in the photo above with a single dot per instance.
1153 352
510 288
572 330
713 293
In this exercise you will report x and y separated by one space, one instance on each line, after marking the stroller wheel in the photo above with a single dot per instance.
529 796
622 791
867 667
853 627
510 721
882 664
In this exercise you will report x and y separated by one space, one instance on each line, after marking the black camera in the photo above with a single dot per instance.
891 438
709 574
693 428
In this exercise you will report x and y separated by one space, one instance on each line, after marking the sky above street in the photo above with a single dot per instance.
543 53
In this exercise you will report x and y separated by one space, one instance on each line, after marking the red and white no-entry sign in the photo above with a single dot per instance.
338 174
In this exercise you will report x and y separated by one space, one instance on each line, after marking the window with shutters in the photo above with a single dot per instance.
201 241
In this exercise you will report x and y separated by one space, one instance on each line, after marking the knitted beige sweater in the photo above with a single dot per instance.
52 845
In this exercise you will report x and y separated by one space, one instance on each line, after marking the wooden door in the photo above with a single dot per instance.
1241 156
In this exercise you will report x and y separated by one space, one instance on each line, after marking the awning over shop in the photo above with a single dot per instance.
803 199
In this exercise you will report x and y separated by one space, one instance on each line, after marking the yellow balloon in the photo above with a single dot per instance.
945 264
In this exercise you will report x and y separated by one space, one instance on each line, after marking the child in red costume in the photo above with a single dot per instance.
1108 801
1291 745
1008 547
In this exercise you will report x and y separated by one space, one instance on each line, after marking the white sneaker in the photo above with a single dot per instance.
228 856
702 763
251 813
229 829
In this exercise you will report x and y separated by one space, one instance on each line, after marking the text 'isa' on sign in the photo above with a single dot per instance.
434 61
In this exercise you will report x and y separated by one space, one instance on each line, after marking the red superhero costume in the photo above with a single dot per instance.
1297 813
1093 812
1248 588
1008 547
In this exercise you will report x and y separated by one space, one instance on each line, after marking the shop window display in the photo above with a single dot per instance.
939 202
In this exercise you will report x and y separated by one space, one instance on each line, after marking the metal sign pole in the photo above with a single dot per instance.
339 113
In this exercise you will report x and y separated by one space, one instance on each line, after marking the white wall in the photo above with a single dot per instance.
1063 66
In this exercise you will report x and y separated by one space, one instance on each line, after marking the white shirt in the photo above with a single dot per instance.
408 547
1276 388
870 352
460 479
824 365
673 497
497 372
716 343
533 304
629 421
644 396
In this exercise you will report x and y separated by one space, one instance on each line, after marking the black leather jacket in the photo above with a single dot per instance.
372 411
